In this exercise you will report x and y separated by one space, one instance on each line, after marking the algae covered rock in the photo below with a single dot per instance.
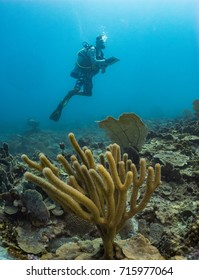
31 240
33 201
174 158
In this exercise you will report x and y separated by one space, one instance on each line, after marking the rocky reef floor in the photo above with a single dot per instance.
168 228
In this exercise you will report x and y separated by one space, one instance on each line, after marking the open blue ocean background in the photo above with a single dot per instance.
155 40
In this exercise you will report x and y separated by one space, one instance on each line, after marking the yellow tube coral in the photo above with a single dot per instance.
98 192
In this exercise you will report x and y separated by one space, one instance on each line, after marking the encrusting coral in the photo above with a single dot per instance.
98 192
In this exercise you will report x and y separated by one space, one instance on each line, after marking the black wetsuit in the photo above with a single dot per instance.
90 60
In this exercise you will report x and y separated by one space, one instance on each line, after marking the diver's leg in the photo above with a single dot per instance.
88 86
75 91
79 84
55 116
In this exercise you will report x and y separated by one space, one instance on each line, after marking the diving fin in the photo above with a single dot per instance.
55 116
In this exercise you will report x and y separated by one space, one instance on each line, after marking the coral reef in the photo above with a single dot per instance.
196 107
135 248
169 222
6 169
97 193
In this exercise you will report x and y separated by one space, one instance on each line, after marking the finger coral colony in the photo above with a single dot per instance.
102 195
98 192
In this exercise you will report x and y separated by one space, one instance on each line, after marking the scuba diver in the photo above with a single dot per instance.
90 60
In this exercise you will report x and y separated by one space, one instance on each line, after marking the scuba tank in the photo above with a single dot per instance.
83 60
83 63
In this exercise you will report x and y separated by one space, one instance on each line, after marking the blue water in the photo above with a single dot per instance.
156 41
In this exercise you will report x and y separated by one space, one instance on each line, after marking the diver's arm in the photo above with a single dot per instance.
98 62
